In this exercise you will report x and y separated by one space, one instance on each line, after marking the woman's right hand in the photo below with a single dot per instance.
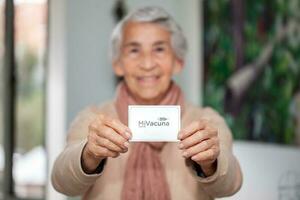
107 137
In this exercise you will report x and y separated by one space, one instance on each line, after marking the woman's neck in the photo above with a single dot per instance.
153 101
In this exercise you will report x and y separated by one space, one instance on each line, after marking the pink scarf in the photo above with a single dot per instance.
145 178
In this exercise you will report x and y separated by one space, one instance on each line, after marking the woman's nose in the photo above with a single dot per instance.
147 63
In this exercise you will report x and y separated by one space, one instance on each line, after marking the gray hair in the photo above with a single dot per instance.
154 15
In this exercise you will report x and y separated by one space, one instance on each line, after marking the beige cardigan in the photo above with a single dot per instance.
69 178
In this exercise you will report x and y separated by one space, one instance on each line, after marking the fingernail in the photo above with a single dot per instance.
126 144
184 154
180 136
180 145
128 134
128 130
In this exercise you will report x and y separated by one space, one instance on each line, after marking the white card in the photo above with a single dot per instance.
154 123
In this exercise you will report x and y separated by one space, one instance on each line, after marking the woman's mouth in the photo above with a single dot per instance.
148 80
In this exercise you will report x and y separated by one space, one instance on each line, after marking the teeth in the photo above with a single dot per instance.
148 78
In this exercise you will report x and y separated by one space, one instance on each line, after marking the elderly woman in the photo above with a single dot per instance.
147 49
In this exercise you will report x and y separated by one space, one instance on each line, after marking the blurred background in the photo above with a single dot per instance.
252 67
243 60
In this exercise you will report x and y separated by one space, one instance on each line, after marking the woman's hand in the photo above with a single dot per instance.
200 142
107 137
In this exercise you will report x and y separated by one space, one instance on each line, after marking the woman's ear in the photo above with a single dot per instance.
118 68
178 65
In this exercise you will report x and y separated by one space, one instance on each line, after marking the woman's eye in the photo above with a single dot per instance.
133 50
159 49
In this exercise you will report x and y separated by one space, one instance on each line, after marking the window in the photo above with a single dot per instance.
26 138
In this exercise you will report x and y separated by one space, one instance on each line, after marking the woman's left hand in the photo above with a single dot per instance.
200 142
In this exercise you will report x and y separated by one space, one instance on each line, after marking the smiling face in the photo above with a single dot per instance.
147 61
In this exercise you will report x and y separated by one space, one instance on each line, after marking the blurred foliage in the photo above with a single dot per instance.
266 113
30 101
30 121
